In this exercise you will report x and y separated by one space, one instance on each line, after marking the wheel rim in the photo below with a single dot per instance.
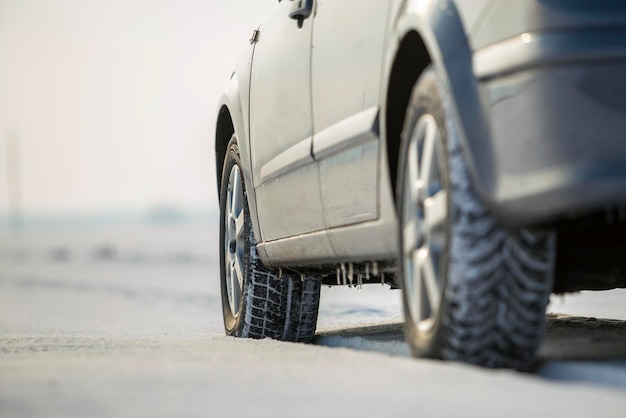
424 223
234 240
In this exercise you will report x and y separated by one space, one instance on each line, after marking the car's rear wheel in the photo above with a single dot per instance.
257 302
473 291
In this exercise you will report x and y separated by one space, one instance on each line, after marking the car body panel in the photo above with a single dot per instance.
473 13
347 55
348 46
553 88
348 155
505 19
281 129
376 239
572 157
527 173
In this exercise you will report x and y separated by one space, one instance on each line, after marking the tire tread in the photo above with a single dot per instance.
498 280
276 304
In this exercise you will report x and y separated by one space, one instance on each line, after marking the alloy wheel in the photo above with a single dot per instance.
234 240
424 223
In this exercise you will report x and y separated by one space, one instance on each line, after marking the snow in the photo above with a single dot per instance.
611 304
138 332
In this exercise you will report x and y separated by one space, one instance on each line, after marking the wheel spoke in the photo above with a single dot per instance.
239 226
436 210
234 289
236 201
411 233
229 283
412 190
413 181
427 161
416 290
430 281
238 266
229 204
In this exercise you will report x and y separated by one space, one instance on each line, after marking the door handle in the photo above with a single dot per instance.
300 10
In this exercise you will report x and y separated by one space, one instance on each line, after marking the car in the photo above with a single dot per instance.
470 153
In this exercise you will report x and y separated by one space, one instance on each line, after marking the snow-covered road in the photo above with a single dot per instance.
127 322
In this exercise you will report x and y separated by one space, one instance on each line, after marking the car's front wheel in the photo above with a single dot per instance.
473 291
257 302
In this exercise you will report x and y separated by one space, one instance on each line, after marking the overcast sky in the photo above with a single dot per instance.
113 102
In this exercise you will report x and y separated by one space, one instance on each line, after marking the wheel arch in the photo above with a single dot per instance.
411 59
224 130
431 32
232 118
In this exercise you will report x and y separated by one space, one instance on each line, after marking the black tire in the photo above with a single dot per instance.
270 303
494 283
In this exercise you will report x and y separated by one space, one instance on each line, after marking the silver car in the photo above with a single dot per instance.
471 153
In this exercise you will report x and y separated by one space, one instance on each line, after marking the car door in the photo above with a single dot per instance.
286 177
347 56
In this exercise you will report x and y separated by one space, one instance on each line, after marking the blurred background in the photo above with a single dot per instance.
107 116
107 107
108 194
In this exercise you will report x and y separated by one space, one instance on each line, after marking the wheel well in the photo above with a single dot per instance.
410 61
223 132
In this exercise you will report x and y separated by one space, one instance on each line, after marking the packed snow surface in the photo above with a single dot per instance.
127 322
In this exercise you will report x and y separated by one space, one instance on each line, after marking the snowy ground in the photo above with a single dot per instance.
127 322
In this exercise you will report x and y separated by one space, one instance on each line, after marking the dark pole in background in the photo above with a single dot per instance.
14 181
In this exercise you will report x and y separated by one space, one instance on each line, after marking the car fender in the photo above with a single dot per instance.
236 100
440 26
